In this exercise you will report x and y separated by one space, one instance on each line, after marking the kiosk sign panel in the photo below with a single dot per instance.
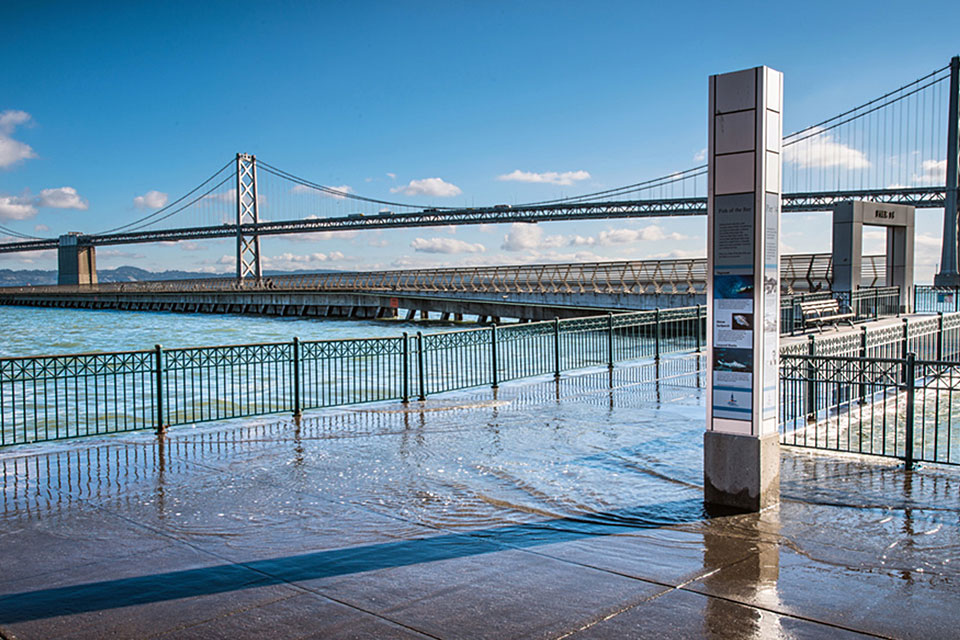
743 251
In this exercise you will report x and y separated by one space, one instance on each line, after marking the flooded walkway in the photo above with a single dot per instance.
542 510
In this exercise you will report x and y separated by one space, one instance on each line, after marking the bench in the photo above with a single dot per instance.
820 312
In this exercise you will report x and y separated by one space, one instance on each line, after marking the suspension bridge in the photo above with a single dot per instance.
898 148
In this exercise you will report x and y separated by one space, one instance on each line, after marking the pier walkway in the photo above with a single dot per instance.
569 509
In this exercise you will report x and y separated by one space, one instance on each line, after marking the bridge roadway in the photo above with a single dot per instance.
530 292
921 197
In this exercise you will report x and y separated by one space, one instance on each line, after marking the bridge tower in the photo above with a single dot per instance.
248 212
948 275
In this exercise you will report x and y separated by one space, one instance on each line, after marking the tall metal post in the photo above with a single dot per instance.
610 340
296 377
406 368
911 377
493 356
248 212
158 364
421 381
949 276
556 348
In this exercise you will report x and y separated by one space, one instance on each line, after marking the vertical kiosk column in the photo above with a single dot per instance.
741 451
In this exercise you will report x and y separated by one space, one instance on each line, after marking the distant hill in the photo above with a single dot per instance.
23 277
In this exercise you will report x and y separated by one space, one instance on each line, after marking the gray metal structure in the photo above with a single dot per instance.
920 197
248 218
948 275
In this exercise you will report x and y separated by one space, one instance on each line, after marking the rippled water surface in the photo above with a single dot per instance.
34 331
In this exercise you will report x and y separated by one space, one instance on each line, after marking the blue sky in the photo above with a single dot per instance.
105 102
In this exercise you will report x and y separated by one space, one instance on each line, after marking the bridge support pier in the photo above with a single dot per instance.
77 263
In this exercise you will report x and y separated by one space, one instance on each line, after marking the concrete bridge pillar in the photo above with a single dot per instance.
849 219
77 263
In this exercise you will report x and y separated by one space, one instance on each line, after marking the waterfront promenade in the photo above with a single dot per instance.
539 510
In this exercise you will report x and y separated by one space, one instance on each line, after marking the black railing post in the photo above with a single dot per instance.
911 394
420 368
904 347
811 382
556 348
493 355
406 368
876 303
940 336
609 340
656 339
158 365
296 377
863 354
699 343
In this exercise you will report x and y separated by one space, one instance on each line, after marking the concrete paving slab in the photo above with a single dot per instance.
514 593
685 615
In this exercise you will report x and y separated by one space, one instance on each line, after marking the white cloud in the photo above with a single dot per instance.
151 200
435 187
524 236
343 189
16 208
445 245
378 243
932 172
315 236
678 254
40 228
651 233
529 237
549 177
700 156
62 198
292 261
13 151
391 175
820 150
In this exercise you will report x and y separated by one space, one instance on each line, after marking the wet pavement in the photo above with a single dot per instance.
568 509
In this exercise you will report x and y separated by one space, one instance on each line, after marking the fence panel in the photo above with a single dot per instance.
54 397
216 383
525 350
340 372
895 407
455 360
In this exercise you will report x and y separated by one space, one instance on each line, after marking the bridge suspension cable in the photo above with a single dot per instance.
174 207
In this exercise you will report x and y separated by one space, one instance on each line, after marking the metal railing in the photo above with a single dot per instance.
895 407
54 397
871 303
801 272
927 298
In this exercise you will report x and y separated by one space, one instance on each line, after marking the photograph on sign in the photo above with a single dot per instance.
737 286
732 403
739 360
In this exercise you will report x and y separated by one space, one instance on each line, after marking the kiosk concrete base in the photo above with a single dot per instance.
741 472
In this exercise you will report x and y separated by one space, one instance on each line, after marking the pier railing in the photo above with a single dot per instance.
798 273
895 407
66 396
930 299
